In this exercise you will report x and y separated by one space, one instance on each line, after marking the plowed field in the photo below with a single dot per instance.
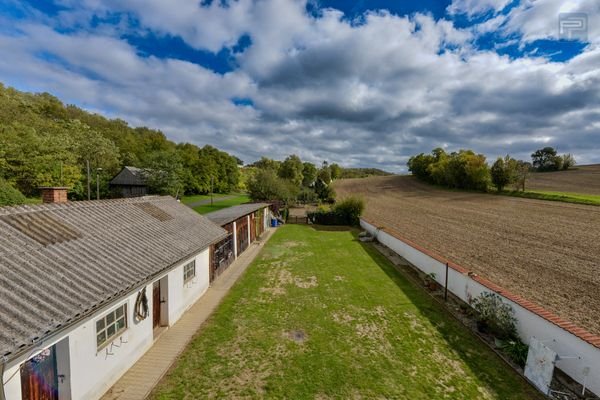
547 252
583 179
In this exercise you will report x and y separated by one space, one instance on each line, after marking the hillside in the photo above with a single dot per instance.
44 142
581 179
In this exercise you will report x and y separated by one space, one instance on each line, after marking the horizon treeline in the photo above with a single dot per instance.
465 169
44 142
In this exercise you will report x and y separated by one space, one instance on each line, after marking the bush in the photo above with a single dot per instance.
9 196
516 351
496 315
350 209
346 212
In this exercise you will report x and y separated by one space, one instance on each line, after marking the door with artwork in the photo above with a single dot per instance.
39 377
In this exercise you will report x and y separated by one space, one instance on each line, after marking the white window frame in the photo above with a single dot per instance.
189 271
115 321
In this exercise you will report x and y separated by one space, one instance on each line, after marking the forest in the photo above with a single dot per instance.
44 142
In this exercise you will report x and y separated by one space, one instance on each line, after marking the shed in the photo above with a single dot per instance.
130 182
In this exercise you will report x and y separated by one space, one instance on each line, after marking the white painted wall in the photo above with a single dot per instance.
529 324
183 296
93 372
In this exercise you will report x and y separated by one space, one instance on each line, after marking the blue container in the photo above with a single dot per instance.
274 222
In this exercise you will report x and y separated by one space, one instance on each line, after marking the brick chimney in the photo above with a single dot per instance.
54 194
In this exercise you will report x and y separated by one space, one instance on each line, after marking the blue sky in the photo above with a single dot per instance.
362 83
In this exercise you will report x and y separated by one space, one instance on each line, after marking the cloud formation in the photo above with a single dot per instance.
362 92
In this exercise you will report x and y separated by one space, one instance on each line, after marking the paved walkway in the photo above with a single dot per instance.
138 382
215 200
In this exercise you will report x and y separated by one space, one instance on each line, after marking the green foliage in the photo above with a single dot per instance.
348 173
307 195
516 350
504 172
309 174
267 163
350 209
265 185
547 159
498 316
346 212
335 171
9 196
568 161
522 172
291 169
45 143
461 170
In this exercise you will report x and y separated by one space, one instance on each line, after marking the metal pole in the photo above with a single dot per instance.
88 180
98 170
211 189
446 287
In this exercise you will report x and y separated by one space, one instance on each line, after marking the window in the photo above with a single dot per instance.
111 325
189 271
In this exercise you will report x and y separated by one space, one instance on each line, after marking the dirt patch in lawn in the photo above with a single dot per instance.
546 252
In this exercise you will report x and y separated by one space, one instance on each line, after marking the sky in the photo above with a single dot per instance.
361 83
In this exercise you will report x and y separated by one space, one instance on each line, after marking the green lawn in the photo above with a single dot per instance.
318 315
200 197
204 209
577 198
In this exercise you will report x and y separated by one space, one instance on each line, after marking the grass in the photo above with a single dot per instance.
218 205
200 197
577 198
319 315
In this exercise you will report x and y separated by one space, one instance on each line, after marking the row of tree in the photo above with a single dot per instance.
46 143
292 180
465 169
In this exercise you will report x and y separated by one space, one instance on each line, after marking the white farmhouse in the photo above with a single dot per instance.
86 288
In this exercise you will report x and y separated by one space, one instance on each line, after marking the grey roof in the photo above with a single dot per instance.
227 215
130 176
60 262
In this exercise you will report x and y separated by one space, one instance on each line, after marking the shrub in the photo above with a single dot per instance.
346 212
9 196
496 315
515 350
350 209
568 161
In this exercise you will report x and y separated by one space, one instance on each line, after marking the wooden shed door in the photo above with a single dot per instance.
39 379
156 304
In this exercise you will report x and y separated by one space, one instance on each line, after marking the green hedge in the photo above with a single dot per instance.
9 196
345 212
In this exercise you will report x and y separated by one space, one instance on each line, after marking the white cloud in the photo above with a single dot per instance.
367 94
476 7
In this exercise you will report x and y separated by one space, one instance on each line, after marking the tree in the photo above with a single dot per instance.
335 170
546 159
503 172
267 163
291 169
522 172
568 161
309 174
324 175
266 185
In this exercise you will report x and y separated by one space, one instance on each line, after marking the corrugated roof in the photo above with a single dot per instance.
130 176
227 215
59 262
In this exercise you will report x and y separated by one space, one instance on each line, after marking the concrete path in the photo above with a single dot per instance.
138 382
215 200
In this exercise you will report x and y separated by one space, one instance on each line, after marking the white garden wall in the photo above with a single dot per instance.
530 323
92 371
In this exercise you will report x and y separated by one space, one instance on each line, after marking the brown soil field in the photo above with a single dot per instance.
547 252
582 179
